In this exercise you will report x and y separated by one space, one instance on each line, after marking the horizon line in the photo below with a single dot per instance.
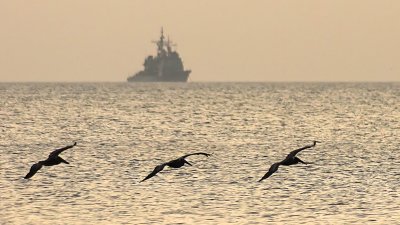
296 81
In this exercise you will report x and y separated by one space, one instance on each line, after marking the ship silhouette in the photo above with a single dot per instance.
167 66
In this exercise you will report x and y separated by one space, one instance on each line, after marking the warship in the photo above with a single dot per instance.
166 66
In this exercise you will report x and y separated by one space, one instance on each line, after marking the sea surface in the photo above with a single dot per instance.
124 130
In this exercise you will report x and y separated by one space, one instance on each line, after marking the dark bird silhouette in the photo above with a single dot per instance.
290 159
176 163
52 160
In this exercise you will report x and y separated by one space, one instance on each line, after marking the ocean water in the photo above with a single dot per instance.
124 130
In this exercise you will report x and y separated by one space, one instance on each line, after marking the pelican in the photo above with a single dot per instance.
52 160
290 159
176 163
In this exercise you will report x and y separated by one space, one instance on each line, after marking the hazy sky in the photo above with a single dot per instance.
219 40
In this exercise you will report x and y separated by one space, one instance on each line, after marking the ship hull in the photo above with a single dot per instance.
173 77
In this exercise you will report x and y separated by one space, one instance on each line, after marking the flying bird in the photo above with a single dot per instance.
290 159
176 163
52 160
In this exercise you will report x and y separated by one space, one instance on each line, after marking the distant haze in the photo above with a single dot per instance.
224 40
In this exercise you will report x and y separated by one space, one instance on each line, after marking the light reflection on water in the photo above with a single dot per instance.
124 130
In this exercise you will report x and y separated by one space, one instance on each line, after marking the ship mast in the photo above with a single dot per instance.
160 44
169 44
161 53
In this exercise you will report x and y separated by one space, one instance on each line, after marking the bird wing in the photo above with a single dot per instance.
34 168
274 167
294 152
197 153
58 151
154 172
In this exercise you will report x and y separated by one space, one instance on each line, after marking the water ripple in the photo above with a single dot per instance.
124 130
